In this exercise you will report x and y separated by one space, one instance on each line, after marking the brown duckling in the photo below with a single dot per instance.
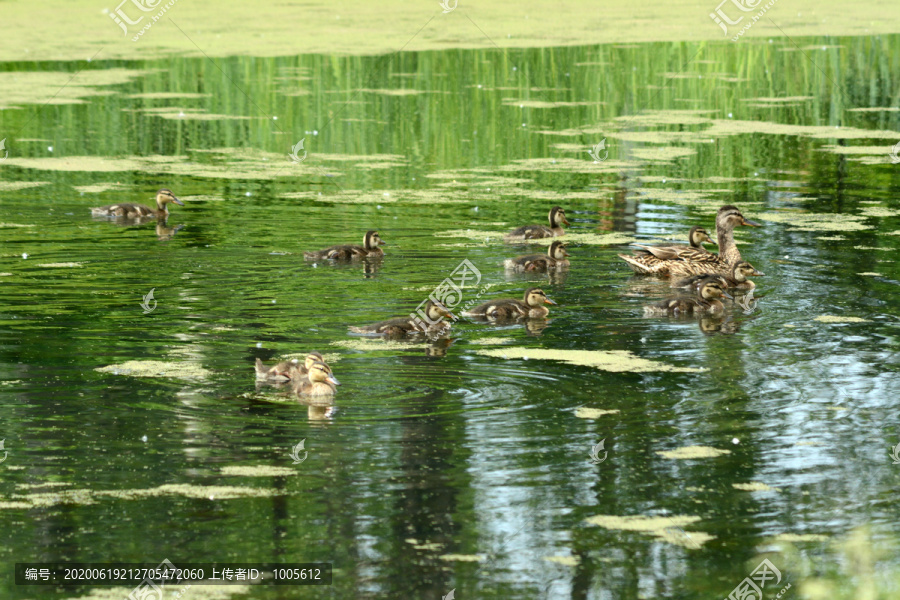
554 259
654 259
287 370
738 278
532 306
557 218
399 327
369 249
706 301
320 381
129 210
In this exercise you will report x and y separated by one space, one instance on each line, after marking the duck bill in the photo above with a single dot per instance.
177 201
711 241
750 223
333 380
566 253
565 221
548 301
382 243
757 273
727 295
448 314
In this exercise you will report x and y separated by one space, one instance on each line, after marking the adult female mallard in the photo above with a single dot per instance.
320 381
369 249
705 301
737 279
554 259
531 306
433 325
557 218
655 259
287 370
129 210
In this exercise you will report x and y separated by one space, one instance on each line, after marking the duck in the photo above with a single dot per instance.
705 301
737 279
554 259
691 262
369 249
287 370
655 259
319 381
433 325
557 218
129 210
531 306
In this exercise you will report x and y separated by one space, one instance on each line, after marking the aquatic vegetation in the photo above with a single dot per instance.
840 319
156 368
584 412
616 361
666 528
61 265
258 471
568 561
12 186
692 452
754 486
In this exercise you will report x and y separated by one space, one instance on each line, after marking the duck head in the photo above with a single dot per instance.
165 196
697 236
371 240
742 270
729 216
557 250
557 217
319 372
435 311
535 297
311 358
713 287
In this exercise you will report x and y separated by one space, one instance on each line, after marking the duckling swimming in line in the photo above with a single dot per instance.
287 370
411 325
705 301
554 259
129 210
557 218
320 381
370 248
532 306
738 278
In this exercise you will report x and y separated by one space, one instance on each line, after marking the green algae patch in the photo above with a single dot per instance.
568 561
615 361
330 357
692 452
61 265
589 239
803 221
258 471
86 164
156 368
754 486
870 274
548 104
491 341
840 319
472 234
729 127
662 154
14 225
667 117
174 113
376 344
167 95
12 186
22 88
800 537
584 412
667 528
99 188
463 557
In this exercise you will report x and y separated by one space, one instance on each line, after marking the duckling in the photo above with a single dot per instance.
287 370
554 259
653 259
370 248
412 325
557 218
532 306
320 381
706 301
135 211
738 278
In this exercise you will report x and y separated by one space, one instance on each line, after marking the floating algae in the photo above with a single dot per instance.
174 113
616 361
569 561
837 319
376 344
258 471
800 537
754 486
13 225
662 154
167 95
491 341
802 221
463 557
12 186
547 104
867 274
590 239
61 265
690 452
156 368
668 529
330 357
583 412
99 188
59 87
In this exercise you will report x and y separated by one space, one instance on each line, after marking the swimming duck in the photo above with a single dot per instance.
129 210
320 381
737 279
287 370
706 300
554 259
532 306
691 262
557 218
370 248
399 327
655 259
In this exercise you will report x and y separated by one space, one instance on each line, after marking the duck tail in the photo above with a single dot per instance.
261 371
642 269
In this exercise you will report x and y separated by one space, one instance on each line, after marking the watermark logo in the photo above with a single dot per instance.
448 292
596 150
723 20
295 452
123 20
751 587
445 4
5 453
452 594
3 149
747 302
895 153
895 455
595 453
146 303
148 589
295 152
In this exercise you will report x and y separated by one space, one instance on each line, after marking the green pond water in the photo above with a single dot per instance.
463 466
